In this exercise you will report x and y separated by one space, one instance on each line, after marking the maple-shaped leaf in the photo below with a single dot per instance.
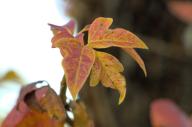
79 59
100 36
164 113
36 107
137 58
108 73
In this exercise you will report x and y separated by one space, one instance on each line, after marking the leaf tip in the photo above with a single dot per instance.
144 46
74 93
145 73
122 96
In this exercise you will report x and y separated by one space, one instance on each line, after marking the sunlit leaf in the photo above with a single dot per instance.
95 73
137 58
100 36
164 113
36 107
77 63
80 59
110 75
70 27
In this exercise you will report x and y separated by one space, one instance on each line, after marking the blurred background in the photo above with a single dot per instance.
164 25
25 47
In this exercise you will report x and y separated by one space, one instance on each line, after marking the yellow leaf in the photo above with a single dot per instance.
100 36
109 62
137 58
111 76
95 73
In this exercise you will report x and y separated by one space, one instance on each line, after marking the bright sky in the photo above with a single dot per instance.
25 43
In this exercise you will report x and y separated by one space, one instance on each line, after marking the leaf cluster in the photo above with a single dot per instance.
83 60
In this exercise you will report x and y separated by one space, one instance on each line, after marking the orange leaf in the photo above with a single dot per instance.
164 113
77 63
102 37
36 107
137 58
70 27
111 76
95 73
60 39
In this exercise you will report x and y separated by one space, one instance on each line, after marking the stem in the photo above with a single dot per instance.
63 90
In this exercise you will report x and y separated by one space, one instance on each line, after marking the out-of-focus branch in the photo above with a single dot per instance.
171 51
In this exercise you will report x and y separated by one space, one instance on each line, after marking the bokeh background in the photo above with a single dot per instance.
25 47
164 25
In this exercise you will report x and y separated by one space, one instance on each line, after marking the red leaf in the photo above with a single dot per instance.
164 113
182 10
77 63
36 107
70 27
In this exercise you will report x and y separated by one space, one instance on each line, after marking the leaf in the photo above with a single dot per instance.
100 36
60 39
110 75
95 75
70 27
182 10
115 80
164 113
36 107
77 63
11 76
137 58
81 117
78 59
104 67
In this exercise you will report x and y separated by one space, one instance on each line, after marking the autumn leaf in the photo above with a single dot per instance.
110 73
70 27
77 64
164 113
100 36
36 107
95 75
80 60
137 58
